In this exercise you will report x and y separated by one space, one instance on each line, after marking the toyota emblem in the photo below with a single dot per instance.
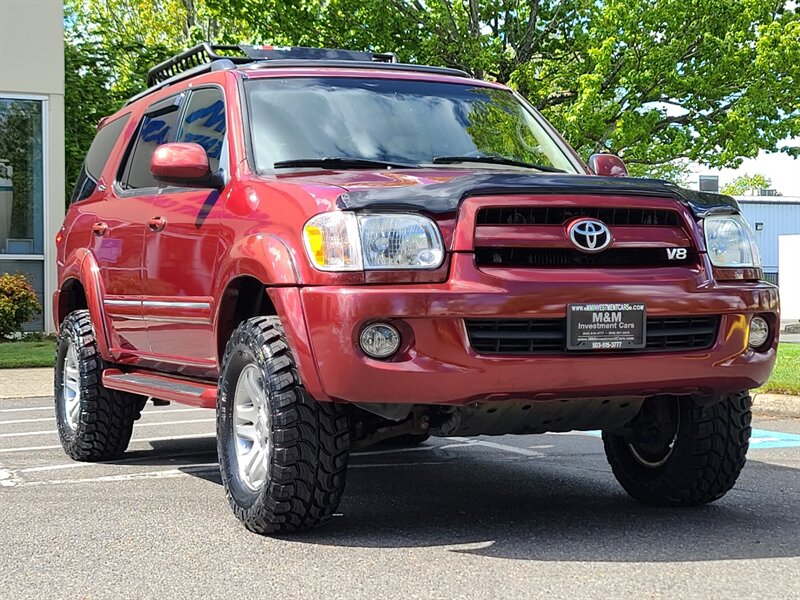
589 235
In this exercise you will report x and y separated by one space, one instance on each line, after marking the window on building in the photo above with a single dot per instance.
204 123
157 127
21 177
22 192
97 157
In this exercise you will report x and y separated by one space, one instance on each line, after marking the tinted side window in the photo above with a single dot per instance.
157 127
97 157
204 123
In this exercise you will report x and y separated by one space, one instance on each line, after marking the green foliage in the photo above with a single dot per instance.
18 303
746 183
87 99
658 82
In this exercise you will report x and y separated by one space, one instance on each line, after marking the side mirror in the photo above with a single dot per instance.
184 164
607 165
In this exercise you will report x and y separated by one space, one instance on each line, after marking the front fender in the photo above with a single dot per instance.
265 257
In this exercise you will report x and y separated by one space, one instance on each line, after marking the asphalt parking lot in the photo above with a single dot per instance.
507 517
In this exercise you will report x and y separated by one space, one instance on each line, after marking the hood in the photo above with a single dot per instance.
442 190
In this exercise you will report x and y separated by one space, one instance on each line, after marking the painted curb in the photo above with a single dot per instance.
776 405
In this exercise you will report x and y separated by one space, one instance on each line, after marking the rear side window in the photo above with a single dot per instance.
157 127
97 157
204 123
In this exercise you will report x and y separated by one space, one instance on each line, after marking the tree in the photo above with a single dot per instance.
654 81
746 183
109 47
658 82
87 98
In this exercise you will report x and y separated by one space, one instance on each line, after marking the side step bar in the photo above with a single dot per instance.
163 387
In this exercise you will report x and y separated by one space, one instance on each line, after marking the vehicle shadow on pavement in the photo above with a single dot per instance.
529 510
546 509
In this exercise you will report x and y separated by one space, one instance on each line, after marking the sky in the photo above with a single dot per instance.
782 169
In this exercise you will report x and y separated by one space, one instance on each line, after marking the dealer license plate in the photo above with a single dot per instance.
606 326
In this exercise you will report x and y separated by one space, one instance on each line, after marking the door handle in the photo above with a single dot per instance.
100 228
157 223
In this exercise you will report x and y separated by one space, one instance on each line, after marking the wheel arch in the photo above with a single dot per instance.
245 296
81 288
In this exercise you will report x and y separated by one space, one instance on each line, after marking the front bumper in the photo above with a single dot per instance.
437 365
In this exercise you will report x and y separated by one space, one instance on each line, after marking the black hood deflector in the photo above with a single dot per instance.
445 197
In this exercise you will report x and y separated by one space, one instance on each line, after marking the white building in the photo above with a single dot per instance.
31 142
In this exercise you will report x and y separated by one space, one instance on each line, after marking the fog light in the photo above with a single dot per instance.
379 340
759 332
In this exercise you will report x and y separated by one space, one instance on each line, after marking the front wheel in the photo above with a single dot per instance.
282 455
677 452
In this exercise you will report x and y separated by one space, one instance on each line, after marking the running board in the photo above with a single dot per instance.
163 387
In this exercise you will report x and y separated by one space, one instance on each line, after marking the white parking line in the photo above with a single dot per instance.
121 461
145 413
138 426
395 450
5 410
153 439
192 469
495 445
161 474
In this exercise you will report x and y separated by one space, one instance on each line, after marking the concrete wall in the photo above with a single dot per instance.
32 65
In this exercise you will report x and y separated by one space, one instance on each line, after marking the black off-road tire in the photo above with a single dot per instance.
308 441
105 422
707 456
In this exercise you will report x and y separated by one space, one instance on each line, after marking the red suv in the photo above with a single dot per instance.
333 249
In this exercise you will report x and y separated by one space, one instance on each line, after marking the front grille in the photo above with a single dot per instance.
558 215
567 257
549 336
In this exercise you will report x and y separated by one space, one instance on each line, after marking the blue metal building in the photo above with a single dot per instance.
770 217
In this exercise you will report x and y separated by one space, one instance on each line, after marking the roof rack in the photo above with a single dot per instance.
207 57
206 54
203 54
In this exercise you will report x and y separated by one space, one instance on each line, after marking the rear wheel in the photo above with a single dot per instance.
677 452
94 423
282 455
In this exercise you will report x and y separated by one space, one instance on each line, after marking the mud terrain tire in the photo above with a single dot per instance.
707 455
305 442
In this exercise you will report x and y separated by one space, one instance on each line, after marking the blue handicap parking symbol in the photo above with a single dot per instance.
761 439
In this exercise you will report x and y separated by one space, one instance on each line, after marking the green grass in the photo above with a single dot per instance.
16 355
24 354
786 376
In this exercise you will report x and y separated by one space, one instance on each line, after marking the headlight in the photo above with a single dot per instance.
730 242
400 242
343 241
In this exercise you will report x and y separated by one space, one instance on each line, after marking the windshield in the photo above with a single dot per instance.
297 120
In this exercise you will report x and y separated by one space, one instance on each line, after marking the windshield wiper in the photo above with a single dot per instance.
494 160
341 162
